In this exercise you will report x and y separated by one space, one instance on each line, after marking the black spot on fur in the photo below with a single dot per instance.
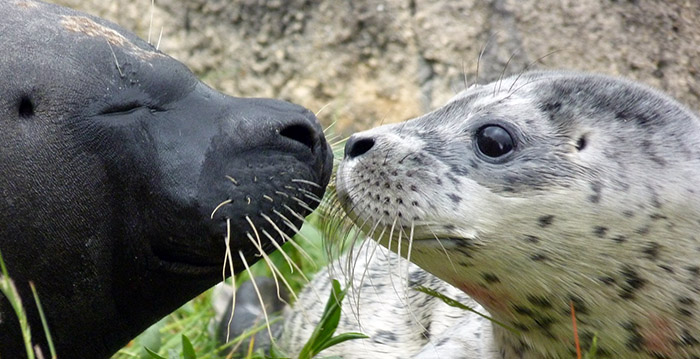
490 278
455 198
666 268
686 301
531 239
685 312
539 257
545 221
635 341
688 339
657 216
694 270
384 336
651 250
600 231
607 280
580 306
521 327
633 282
597 189
539 301
619 239
522 310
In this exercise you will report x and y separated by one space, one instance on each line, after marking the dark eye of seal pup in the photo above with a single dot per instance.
113 157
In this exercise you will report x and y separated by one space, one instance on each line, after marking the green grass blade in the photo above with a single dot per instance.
341 338
454 303
153 354
327 325
7 287
187 348
44 323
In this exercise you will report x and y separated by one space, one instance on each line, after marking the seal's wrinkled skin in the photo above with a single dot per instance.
532 195
112 158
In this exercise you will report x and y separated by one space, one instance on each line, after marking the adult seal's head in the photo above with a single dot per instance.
113 158
541 192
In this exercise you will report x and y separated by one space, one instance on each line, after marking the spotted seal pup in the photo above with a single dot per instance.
113 157
531 195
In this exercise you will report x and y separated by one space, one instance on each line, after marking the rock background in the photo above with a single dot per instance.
364 62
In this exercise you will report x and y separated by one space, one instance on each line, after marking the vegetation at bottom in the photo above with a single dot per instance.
188 333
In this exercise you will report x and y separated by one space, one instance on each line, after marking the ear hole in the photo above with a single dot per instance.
581 143
26 107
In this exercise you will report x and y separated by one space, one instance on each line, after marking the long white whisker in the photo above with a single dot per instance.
219 206
150 24
257 290
313 184
228 259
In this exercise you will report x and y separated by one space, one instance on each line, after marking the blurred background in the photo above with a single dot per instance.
366 62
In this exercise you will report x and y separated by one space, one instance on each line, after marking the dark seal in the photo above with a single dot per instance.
113 157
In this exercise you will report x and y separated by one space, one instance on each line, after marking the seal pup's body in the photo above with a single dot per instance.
538 193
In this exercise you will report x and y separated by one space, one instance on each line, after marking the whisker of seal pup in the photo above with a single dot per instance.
219 206
447 254
527 67
294 244
464 75
344 139
321 110
257 291
503 72
481 54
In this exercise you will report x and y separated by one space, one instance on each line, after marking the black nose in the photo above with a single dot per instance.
358 146
302 133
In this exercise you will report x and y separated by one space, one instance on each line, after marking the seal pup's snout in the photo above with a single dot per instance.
358 146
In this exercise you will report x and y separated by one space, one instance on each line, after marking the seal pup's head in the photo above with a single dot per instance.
541 191
114 157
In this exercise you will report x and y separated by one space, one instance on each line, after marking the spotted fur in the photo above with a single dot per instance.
596 206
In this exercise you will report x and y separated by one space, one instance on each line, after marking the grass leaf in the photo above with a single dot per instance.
322 336
342 338
7 287
187 348
454 303
153 354
44 323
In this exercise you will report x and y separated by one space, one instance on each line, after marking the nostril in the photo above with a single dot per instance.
357 147
300 133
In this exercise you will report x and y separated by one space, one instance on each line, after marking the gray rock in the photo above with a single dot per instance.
366 61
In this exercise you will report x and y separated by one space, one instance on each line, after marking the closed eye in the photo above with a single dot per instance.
122 108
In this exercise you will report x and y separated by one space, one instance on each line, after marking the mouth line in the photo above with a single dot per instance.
184 263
